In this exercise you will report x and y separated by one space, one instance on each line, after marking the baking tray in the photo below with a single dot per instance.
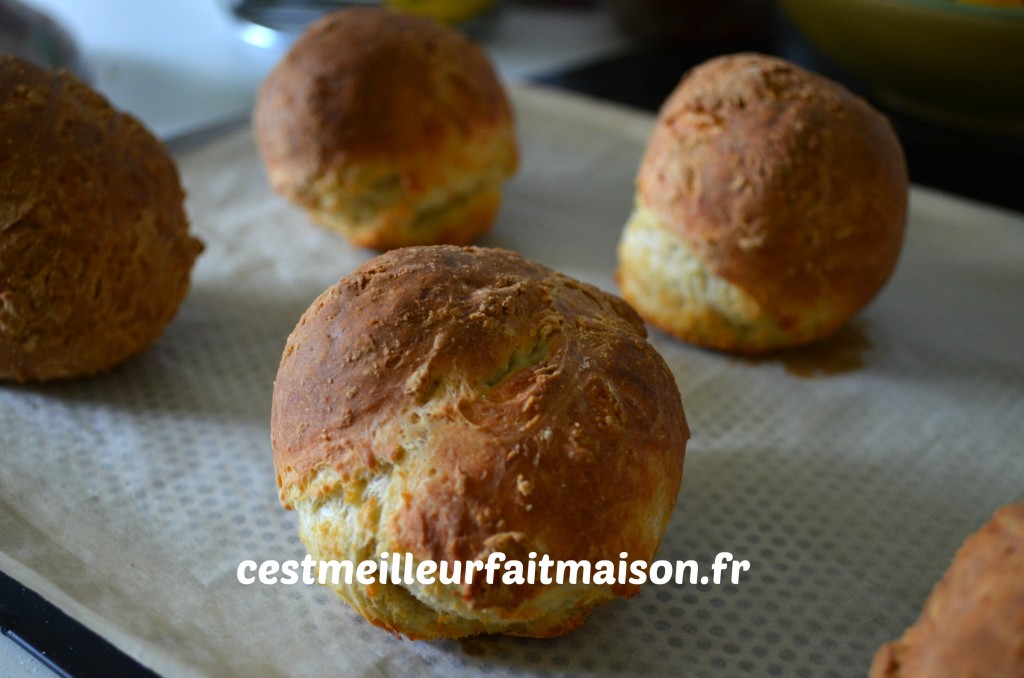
847 474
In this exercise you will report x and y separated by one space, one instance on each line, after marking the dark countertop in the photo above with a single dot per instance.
975 166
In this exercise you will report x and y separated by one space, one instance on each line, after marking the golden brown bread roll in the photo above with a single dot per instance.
972 625
95 254
388 128
451 402
770 208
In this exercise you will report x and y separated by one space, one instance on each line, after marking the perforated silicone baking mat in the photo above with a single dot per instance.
847 476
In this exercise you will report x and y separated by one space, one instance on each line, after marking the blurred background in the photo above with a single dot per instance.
949 73
185 64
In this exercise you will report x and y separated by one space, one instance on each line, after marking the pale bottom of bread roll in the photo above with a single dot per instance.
341 523
669 285
383 216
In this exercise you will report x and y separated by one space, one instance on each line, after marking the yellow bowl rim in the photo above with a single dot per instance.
1009 13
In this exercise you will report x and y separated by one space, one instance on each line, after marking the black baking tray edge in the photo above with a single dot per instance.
59 642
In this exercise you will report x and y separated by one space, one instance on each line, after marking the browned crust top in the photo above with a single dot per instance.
576 451
785 183
368 83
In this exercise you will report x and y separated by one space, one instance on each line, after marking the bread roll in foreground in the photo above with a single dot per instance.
95 254
388 128
770 208
451 402
972 625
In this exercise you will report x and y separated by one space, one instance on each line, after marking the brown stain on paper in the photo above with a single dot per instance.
480 646
841 353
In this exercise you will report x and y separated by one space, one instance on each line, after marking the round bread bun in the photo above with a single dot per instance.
95 254
452 402
770 208
973 622
388 128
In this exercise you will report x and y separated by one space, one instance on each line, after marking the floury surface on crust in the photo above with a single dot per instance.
452 402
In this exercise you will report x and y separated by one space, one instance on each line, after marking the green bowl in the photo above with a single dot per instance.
952 64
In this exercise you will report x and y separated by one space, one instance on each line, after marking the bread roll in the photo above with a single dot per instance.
388 128
770 208
972 625
95 254
448 403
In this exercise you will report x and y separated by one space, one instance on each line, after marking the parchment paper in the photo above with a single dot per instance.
129 499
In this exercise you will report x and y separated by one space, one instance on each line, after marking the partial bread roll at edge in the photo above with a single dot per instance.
95 253
452 402
972 624
770 208
388 128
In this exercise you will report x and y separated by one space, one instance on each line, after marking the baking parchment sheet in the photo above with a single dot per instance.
129 499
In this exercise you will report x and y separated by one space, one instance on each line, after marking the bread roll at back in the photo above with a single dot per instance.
389 129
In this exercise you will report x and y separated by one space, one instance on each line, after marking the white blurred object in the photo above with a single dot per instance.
177 66
276 23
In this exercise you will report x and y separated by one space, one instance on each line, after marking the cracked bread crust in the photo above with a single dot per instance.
450 402
95 254
388 128
785 187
